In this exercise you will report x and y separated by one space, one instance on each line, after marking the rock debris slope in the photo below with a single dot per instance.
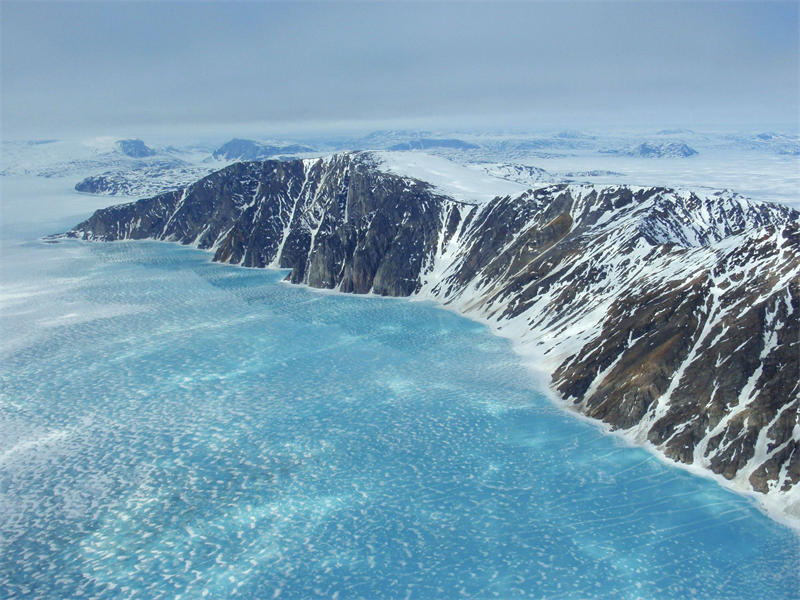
671 316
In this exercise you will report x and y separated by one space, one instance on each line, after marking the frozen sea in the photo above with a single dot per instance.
171 427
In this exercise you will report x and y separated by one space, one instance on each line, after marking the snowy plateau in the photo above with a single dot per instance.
646 297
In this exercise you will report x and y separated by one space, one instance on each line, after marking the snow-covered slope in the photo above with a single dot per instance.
471 183
672 317
668 315
61 158
142 181
527 175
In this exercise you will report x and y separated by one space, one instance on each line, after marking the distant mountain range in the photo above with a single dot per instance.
430 143
58 158
655 150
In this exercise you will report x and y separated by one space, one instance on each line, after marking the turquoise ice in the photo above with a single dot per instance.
173 427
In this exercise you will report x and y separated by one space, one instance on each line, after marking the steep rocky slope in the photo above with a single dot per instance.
667 315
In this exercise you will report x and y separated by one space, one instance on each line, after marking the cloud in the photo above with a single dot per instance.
102 66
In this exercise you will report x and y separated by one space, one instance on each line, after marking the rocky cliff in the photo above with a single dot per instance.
671 316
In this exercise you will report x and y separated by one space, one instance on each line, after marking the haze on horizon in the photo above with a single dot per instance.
133 67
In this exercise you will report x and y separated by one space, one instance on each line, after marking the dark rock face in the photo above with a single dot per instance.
135 148
238 149
665 314
336 222
97 184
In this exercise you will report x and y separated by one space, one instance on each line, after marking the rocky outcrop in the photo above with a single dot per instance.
135 148
668 315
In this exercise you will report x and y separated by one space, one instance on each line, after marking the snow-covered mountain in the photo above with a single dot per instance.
667 315
145 181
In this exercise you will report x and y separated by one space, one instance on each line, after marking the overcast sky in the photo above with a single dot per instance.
128 68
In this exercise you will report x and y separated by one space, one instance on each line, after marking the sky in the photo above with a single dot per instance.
129 68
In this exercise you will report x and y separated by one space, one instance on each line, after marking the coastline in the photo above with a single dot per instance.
533 361
541 368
